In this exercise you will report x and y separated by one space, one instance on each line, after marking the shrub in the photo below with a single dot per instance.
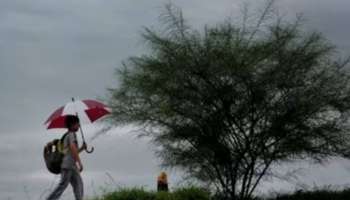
164 196
191 193
315 195
129 194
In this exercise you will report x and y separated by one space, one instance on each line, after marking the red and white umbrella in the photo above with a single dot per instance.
88 111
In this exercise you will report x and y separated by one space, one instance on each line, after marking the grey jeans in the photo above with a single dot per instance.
73 177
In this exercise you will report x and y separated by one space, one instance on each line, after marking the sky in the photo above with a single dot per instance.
52 50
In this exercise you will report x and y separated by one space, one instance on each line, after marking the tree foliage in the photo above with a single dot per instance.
227 102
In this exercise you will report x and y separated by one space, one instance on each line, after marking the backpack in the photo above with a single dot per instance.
53 155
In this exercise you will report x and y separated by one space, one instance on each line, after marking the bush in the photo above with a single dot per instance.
129 194
191 193
316 195
164 196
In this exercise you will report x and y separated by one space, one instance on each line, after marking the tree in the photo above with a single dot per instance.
227 103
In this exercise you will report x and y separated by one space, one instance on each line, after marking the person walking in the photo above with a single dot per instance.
71 166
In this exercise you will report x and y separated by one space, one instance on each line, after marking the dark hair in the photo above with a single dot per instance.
71 120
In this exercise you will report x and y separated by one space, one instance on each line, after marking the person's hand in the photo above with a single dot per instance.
84 146
80 167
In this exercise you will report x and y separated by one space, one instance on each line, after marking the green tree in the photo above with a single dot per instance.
226 103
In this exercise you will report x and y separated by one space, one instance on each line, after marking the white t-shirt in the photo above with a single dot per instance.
68 161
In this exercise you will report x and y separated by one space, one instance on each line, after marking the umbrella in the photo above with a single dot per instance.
88 111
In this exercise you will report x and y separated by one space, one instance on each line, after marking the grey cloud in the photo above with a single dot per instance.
327 17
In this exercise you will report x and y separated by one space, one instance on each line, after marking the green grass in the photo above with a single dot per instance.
190 193
316 195
193 193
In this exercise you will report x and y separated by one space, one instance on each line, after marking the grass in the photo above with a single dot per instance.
316 195
190 193
193 193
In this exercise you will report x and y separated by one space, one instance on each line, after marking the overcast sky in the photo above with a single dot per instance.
53 50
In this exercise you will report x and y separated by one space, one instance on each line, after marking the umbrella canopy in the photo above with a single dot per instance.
88 111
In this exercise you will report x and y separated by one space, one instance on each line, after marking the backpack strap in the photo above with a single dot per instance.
60 144
62 138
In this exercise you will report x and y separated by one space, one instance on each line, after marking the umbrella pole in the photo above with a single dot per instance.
82 134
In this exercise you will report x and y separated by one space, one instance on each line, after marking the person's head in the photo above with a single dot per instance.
72 123
163 176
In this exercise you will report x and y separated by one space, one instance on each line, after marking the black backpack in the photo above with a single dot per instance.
53 155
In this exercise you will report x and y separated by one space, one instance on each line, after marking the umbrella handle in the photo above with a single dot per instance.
90 151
